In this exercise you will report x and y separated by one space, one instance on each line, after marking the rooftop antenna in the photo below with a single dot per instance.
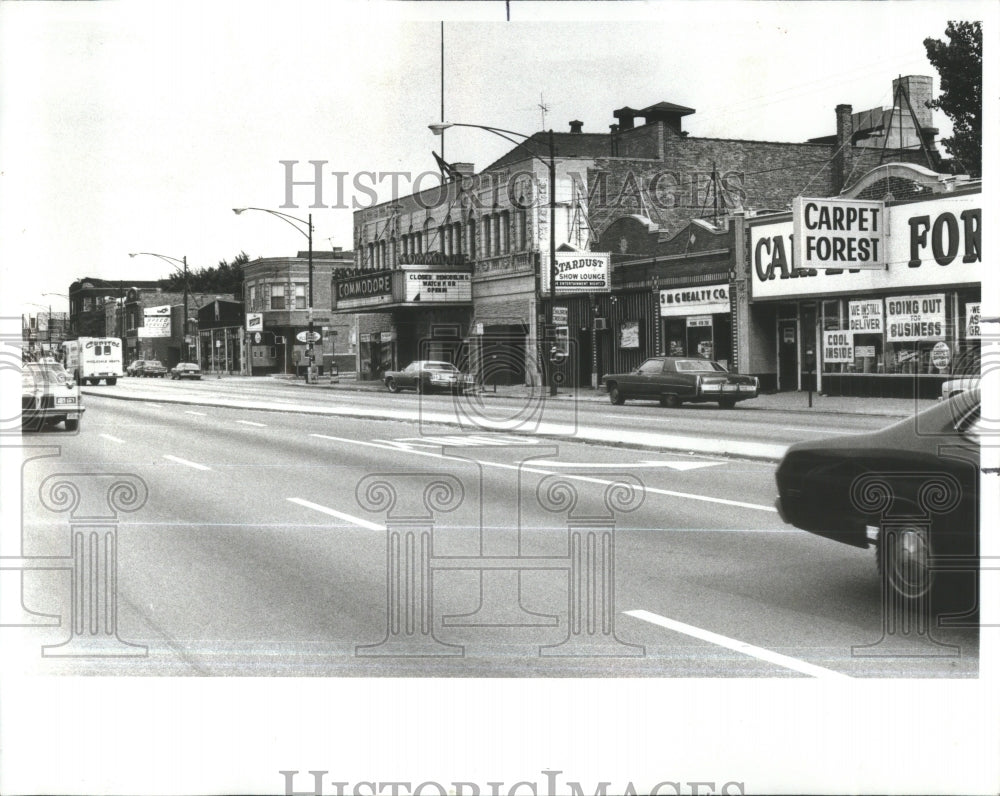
544 107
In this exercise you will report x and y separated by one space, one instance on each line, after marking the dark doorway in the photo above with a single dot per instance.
787 356
503 355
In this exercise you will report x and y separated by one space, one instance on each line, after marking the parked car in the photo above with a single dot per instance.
677 380
953 387
425 375
910 490
49 396
151 368
134 367
185 370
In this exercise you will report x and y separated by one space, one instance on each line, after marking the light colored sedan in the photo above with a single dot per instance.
185 370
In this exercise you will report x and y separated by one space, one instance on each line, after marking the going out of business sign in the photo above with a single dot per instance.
838 233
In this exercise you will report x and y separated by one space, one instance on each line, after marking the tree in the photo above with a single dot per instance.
226 277
959 63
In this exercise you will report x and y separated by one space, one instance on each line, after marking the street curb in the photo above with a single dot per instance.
661 442
743 406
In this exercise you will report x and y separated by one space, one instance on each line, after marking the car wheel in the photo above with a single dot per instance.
111 382
391 384
727 403
670 401
72 425
617 396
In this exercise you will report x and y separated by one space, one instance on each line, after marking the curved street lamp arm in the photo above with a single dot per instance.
294 221
502 133
166 258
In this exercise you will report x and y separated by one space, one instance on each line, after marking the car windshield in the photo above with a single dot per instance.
440 366
699 366
48 373
155 363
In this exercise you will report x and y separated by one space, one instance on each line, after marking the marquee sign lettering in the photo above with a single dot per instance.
362 291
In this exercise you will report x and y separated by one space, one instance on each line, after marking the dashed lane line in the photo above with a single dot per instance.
109 437
251 423
185 462
538 471
372 526
739 646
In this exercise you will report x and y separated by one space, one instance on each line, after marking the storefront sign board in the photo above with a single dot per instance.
838 233
929 244
709 299
580 272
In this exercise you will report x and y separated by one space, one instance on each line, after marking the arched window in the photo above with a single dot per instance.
521 221
456 229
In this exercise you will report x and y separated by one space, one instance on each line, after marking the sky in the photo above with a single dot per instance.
138 126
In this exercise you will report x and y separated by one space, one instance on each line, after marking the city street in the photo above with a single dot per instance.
338 544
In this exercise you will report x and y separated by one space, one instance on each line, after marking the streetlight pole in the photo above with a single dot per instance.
308 232
184 262
438 129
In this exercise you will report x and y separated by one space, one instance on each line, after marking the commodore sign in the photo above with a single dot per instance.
838 233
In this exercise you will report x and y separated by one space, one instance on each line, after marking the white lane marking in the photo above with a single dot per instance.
628 465
251 423
113 439
818 429
739 646
189 412
372 526
601 481
179 460
155 406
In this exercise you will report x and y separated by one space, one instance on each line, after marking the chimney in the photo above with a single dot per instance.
576 126
465 169
626 117
843 159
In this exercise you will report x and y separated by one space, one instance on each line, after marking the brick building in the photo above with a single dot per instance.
276 293
490 229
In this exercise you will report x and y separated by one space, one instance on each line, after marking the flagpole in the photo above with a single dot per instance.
442 97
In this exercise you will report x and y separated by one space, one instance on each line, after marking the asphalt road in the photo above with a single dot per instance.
283 543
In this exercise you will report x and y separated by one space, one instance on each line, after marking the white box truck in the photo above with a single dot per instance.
91 359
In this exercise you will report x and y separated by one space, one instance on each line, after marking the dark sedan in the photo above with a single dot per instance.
911 490
677 380
185 370
424 375
150 369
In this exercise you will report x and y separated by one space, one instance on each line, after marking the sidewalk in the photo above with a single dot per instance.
774 402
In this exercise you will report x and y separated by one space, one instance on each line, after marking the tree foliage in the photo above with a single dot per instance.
959 62
226 277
